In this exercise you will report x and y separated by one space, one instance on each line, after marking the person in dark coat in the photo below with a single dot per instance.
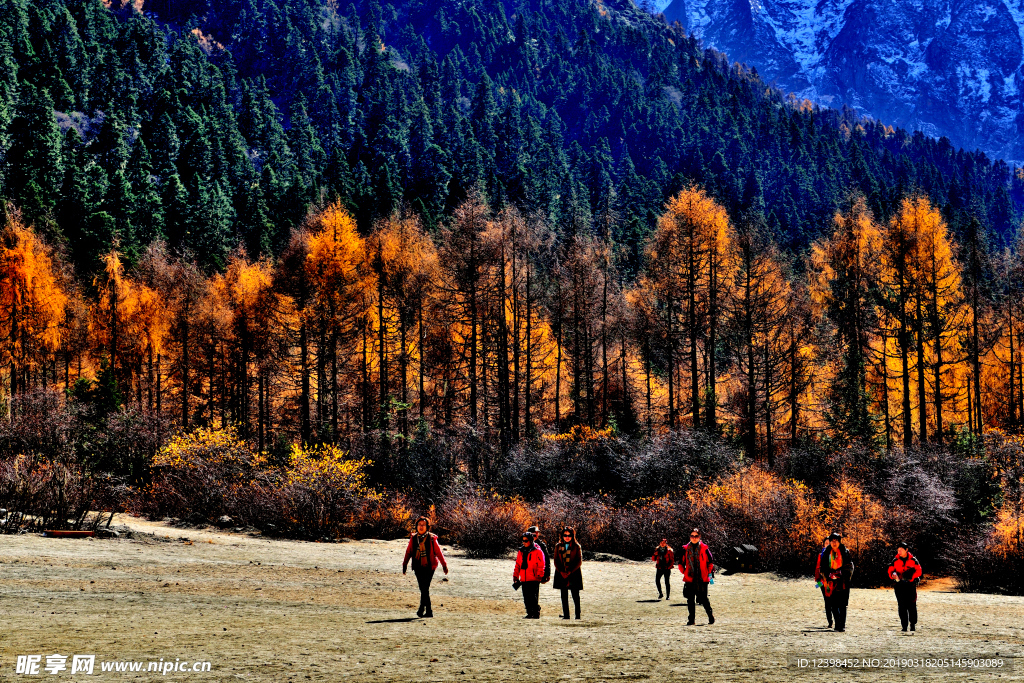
425 553
836 574
664 559
906 572
568 576
527 573
817 581
698 566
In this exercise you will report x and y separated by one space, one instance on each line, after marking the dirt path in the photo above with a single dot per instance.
262 610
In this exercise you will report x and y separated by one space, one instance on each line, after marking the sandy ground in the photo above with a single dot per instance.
271 610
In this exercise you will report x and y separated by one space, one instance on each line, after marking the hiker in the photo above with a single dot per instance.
568 577
664 559
906 571
836 573
535 530
424 552
528 573
817 581
698 567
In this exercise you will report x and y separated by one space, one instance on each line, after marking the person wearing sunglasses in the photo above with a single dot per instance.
528 573
697 566
568 577
664 559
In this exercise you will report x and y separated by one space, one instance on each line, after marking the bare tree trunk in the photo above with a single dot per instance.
304 417
527 424
922 400
422 353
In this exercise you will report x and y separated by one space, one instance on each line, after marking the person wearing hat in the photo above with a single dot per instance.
568 577
836 570
664 559
906 572
697 566
535 530
425 553
528 573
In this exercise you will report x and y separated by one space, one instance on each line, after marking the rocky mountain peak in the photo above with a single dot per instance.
948 68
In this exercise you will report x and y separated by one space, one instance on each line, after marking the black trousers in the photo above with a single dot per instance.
828 612
667 573
423 578
531 595
837 608
696 592
906 600
575 600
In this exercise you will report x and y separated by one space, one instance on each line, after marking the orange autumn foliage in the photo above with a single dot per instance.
32 299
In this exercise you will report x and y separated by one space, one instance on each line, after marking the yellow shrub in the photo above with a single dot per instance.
206 447
1007 530
328 467
581 434
856 514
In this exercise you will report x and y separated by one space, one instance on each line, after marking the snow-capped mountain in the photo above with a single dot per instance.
945 67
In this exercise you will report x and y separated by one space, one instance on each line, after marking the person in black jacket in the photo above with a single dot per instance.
836 566
817 581
664 559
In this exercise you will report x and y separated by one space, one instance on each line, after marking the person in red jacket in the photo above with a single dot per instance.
906 572
818 583
568 576
528 573
664 559
698 566
424 552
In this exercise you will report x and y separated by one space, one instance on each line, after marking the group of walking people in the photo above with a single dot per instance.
697 565
833 573
533 567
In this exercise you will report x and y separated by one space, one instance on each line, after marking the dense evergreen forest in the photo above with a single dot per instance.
208 124
544 247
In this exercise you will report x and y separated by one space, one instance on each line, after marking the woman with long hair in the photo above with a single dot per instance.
836 571
425 553
568 577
